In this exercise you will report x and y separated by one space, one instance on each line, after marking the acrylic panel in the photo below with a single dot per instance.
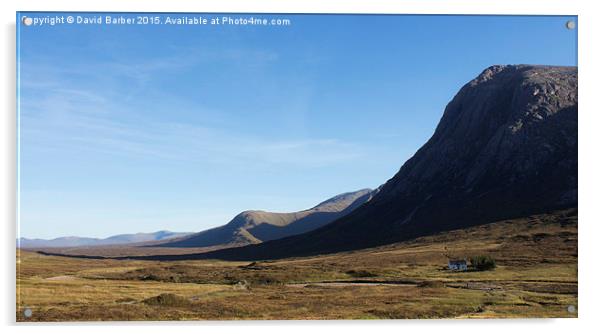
222 166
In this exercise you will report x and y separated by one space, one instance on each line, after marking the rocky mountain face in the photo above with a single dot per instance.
252 227
120 239
506 147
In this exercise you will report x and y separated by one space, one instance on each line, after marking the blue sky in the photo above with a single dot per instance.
142 128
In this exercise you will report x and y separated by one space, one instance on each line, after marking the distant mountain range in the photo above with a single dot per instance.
85 242
248 227
505 147
252 227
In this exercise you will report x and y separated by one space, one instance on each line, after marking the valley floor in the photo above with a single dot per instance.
536 276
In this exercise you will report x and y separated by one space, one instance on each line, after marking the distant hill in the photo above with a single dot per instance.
505 147
252 227
113 240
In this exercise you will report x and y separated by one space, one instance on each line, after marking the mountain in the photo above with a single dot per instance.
252 227
505 147
113 240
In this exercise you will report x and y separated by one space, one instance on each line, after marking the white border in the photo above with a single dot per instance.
589 156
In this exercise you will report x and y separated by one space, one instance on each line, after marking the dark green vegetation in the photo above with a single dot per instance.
482 262
536 276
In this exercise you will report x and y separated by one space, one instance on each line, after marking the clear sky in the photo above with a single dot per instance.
139 128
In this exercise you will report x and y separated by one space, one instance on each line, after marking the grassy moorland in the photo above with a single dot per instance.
536 276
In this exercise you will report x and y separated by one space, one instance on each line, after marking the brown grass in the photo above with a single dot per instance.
536 276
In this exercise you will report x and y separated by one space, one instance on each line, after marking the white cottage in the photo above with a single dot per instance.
459 265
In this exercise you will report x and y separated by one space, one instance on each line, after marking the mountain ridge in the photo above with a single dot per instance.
506 146
256 226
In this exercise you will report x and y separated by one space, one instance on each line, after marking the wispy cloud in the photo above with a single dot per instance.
60 114
180 142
